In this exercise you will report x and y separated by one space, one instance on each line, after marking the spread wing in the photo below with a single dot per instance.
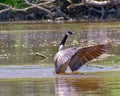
62 57
86 54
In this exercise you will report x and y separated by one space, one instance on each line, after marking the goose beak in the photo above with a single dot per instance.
70 32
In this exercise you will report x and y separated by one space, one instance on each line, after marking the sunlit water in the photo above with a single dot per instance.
22 73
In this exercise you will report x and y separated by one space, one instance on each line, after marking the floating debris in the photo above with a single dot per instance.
42 57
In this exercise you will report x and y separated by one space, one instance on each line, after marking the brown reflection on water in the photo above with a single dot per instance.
80 86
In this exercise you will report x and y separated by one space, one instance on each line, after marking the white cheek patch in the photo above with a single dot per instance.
61 47
67 34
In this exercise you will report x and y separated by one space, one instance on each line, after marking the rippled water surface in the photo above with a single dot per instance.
22 73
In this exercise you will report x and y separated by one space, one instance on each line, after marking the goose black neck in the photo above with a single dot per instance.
64 39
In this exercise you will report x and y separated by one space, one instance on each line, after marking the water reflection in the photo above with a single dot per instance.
63 85
80 86
38 87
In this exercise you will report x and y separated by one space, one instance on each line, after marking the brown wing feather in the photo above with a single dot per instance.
86 54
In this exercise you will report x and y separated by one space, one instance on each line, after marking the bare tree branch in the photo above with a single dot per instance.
5 5
27 2
85 8
31 5
7 9
36 1
41 8
97 3
75 5
90 3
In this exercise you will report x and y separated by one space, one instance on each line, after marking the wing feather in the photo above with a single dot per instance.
62 57
83 55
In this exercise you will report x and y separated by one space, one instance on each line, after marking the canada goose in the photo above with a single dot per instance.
76 57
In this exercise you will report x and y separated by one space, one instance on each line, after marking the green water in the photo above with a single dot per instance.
95 84
22 73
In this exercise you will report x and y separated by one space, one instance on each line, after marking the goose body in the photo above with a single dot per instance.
76 57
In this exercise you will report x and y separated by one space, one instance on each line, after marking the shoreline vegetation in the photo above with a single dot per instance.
59 10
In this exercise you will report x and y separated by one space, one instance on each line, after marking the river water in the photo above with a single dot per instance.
22 73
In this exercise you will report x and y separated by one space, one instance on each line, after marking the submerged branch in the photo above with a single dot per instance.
95 66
